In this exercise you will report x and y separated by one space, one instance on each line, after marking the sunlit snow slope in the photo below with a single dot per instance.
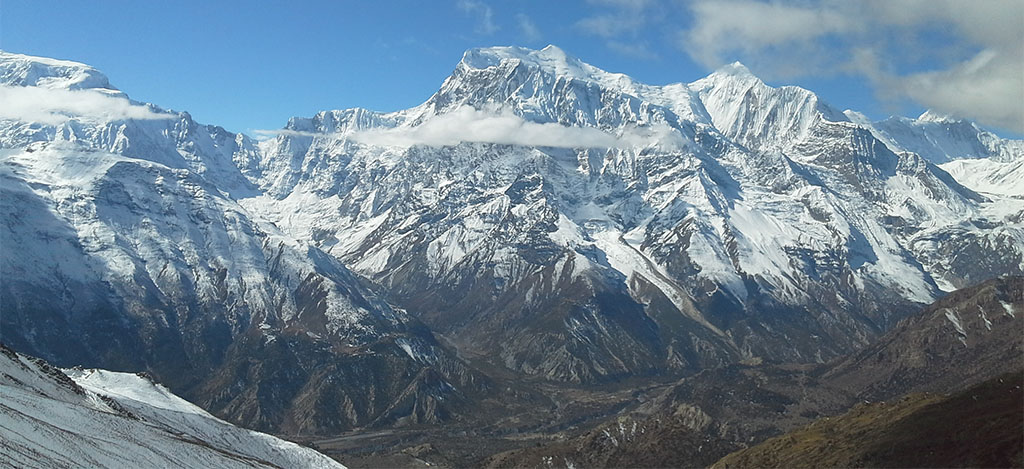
101 419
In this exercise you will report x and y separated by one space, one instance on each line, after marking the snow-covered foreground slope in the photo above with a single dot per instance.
99 418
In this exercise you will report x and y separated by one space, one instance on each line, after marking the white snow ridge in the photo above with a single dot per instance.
103 419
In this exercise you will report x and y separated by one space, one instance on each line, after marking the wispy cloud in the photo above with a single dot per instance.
633 5
467 124
528 29
621 24
263 134
988 87
611 25
976 48
639 49
483 12
751 26
54 106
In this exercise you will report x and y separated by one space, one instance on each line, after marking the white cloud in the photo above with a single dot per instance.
609 26
637 50
618 18
631 4
622 23
54 106
485 24
975 49
749 26
528 28
988 87
467 124
263 134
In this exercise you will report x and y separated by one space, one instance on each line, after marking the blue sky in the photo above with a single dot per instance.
250 66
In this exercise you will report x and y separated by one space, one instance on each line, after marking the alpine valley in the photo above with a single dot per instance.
541 258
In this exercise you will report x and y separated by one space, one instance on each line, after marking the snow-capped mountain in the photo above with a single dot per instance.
763 223
976 158
97 418
941 138
124 246
541 214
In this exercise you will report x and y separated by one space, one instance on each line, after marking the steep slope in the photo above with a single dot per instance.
124 247
968 336
982 426
695 225
98 418
759 117
981 161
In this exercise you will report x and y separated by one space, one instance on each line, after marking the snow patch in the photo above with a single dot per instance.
954 319
981 314
1009 308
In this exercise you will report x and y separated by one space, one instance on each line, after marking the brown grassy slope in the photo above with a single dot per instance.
927 353
982 426
677 441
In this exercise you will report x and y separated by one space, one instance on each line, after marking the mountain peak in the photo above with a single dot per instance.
736 68
551 57
27 70
554 50
735 71
733 76
932 115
